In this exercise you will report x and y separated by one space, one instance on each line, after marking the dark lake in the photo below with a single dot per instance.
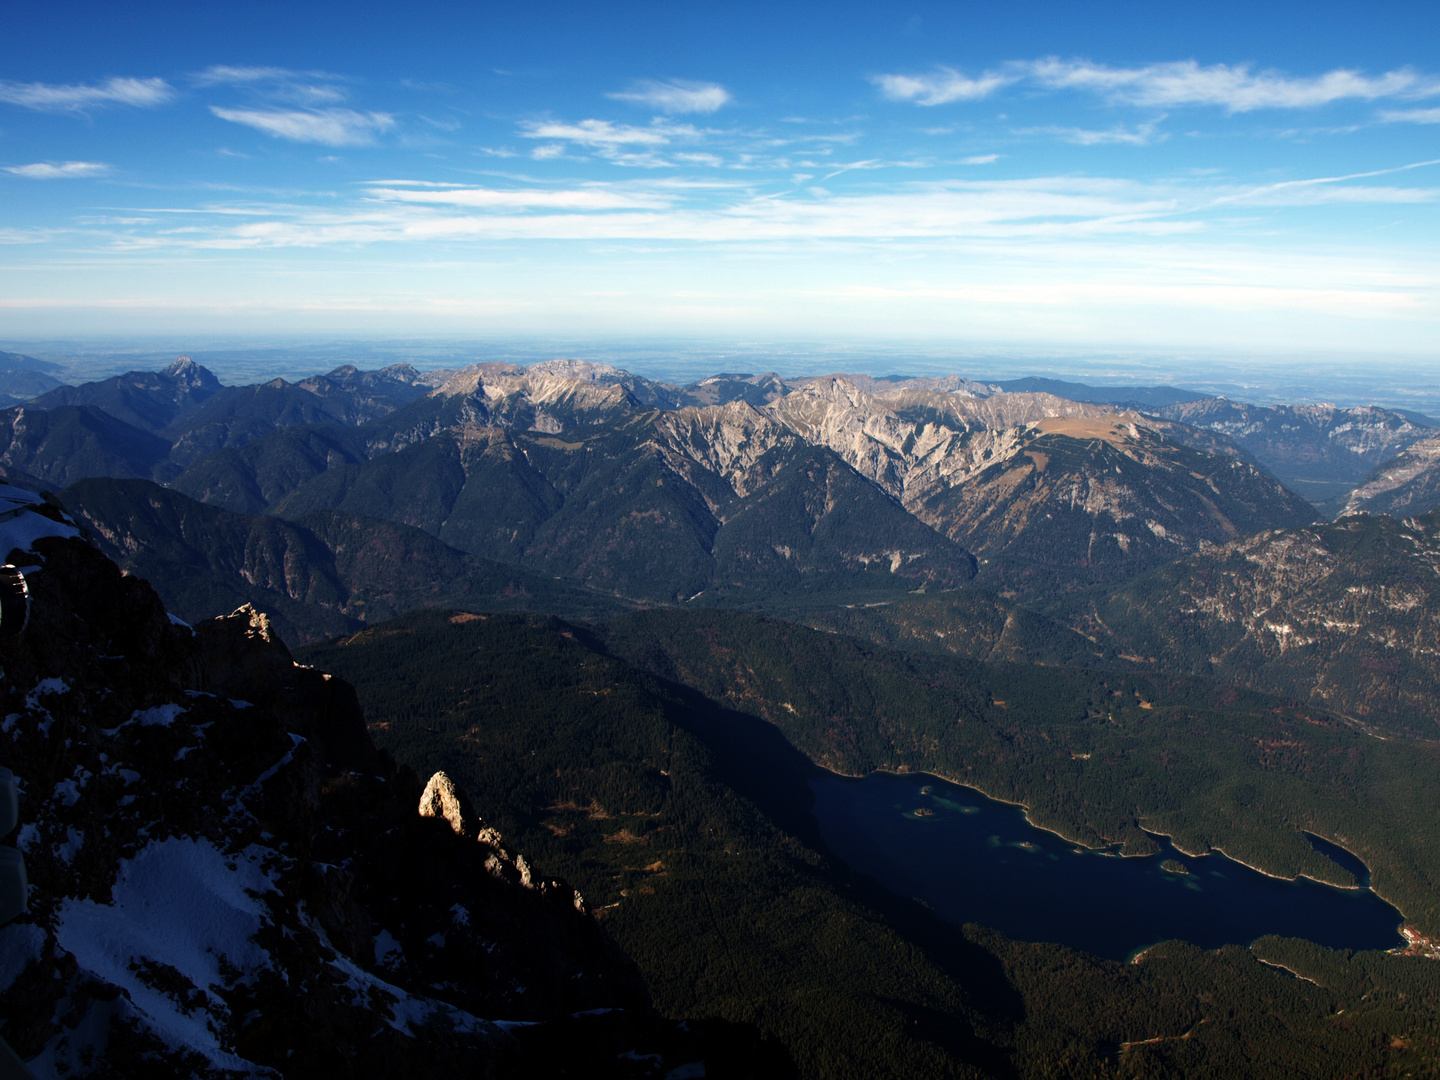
976 860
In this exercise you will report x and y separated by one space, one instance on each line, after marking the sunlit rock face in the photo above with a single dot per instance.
441 799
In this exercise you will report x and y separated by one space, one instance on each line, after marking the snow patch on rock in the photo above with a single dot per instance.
21 526
183 904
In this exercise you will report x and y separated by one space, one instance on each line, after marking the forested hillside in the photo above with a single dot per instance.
680 806
1341 615
323 574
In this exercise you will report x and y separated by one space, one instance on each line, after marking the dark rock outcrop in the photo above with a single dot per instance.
228 879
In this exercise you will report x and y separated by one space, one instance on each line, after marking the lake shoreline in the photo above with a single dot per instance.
1379 927
1151 832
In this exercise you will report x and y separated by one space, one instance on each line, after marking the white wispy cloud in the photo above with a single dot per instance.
675 95
603 133
713 161
597 197
1308 190
52 97
924 210
980 159
58 170
1372 194
275 84
1411 116
1064 209
218 74
1141 135
330 127
940 87
1236 88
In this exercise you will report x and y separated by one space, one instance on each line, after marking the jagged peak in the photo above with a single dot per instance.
945 384
257 624
443 799
183 369
549 386
740 376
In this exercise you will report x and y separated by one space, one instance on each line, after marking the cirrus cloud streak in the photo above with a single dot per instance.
329 127
675 95
52 97
1237 88
59 170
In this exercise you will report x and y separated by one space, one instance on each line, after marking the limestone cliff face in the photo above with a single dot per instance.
228 879
730 441
1406 485
1037 487
905 438
920 443
1095 500
503 396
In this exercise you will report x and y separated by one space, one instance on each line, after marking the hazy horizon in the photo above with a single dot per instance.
1338 377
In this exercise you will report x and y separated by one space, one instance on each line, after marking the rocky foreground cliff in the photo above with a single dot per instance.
228 879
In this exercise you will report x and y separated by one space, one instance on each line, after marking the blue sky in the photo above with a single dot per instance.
1171 176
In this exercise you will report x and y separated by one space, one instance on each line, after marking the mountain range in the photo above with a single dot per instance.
579 489
632 619
1406 485
571 470
1321 450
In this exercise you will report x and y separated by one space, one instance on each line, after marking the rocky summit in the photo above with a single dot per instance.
228 879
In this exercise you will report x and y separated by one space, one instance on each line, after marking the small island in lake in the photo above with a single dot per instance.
924 811
1174 866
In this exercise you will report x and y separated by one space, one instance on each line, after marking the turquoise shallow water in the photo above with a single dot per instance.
976 860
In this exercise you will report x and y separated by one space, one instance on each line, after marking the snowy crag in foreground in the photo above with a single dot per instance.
228 879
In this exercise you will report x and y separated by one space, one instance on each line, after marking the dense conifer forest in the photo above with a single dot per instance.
641 760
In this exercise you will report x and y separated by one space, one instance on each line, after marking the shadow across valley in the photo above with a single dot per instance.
753 758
